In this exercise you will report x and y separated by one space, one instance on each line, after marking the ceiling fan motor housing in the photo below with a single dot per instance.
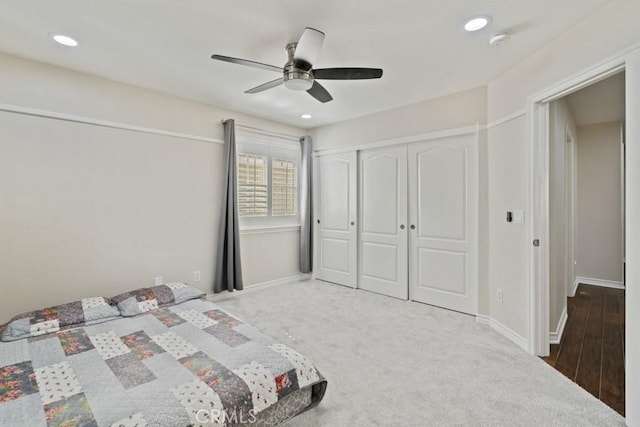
296 78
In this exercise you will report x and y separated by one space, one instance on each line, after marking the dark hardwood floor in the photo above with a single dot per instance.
591 352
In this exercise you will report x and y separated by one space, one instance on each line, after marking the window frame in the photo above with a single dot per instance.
271 148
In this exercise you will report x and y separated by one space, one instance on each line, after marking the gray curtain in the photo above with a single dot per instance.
306 206
228 274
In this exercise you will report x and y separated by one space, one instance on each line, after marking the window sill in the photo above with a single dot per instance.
272 229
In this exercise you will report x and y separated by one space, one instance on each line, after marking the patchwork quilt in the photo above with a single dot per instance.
187 364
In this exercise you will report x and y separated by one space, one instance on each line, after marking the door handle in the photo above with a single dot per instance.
318 221
413 227
401 226
353 223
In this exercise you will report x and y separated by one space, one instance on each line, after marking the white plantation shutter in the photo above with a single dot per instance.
253 193
284 190
268 171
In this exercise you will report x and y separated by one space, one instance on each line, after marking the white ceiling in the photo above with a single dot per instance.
166 45
599 103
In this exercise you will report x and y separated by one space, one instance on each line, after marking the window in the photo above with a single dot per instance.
252 185
284 191
267 183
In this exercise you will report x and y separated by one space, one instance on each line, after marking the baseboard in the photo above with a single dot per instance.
574 289
556 337
507 332
259 287
598 282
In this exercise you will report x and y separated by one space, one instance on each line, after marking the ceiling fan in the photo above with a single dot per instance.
298 73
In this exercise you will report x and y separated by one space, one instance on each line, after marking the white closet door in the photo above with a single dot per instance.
383 223
443 215
336 246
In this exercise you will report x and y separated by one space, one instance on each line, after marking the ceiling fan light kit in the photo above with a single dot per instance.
298 73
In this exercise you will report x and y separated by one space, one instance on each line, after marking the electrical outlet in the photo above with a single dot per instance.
196 276
159 281
499 295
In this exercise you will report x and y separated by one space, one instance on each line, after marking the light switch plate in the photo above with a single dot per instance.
159 281
518 217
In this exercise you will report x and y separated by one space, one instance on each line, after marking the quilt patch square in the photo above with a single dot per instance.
109 345
305 371
163 294
168 317
71 313
75 341
44 315
175 285
197 319
174 344
201 403
206 369
135 420
147 305
235 396
17 381
57 382
286 383
227 335
73 411
142 294
89 303
44 327
141 345
130 371
261 383
222 317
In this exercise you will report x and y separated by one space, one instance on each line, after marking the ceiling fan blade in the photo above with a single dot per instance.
265 86
320 93
248 63
347 73
308 48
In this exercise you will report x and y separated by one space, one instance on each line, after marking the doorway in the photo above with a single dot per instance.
586 244
540 181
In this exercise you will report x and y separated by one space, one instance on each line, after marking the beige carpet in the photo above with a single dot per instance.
392 362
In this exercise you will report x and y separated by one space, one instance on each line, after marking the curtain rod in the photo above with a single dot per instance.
265 132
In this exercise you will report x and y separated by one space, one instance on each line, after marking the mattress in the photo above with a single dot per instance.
187 364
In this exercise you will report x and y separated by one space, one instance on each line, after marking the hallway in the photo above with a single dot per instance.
591 352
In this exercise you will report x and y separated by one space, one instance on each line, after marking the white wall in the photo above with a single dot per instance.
508 258
612 28
605 33
599 207
269 255
447 112
88 210
561 126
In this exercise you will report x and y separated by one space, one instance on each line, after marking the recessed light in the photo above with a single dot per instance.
65 40
476 23
306 116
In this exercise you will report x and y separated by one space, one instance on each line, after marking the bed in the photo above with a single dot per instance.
182 364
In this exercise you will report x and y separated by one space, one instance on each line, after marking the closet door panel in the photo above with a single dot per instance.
443 240
447 218
383 230
336 210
